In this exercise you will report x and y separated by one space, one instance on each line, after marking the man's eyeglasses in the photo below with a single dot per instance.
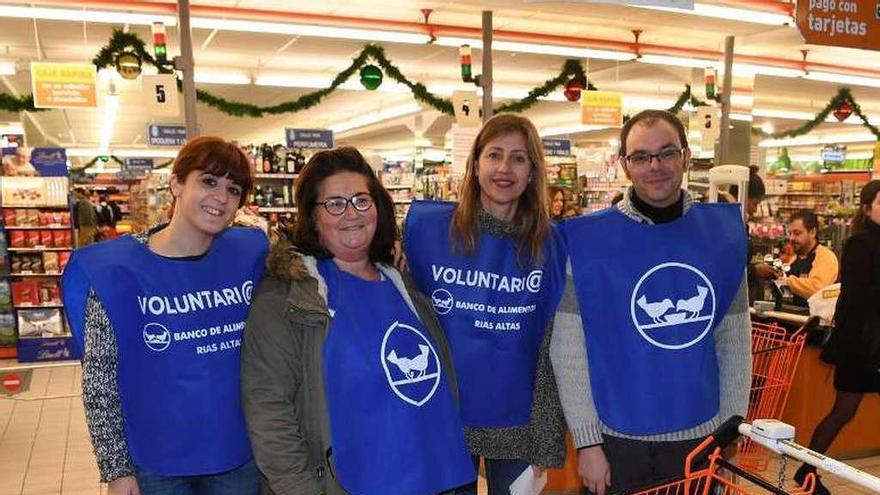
668 156
336 205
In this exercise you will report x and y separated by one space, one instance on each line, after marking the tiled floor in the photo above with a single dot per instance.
45 447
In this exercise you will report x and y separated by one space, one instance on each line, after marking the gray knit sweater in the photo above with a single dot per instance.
542 441
570 361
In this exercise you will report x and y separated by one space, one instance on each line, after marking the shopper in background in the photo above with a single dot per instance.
659 354
347 381
108 214
757 272
159 316
85 218
560 207
854 346
494 267
815 267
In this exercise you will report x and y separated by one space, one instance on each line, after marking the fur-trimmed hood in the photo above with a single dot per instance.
285 262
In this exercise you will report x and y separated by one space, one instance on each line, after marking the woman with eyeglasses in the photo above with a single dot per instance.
348 384
494 267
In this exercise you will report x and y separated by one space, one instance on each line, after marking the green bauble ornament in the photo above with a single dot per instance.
371 77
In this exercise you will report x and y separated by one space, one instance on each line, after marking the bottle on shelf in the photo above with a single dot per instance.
290 162
269 197
300 161
268 157
259 199
279 165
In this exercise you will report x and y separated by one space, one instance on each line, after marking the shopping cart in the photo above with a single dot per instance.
775 355
703 473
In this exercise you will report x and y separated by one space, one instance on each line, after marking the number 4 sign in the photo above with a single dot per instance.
161 93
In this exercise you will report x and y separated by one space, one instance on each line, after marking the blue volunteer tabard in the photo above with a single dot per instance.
650 298
393 421
493 309
178 325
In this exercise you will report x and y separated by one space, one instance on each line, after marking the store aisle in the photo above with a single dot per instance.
45 447
44 443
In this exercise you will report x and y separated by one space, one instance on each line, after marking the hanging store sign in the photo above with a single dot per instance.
64 85
309 139
137 165
556 147
50 162
166 135
467 107
708 123
847 23
602 108
160 92
676 4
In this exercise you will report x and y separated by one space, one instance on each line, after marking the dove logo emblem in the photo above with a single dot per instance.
411 364
156 337
673 306
442 301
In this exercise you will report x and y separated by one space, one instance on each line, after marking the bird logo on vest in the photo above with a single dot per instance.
442 301
411 364
156 337
673 305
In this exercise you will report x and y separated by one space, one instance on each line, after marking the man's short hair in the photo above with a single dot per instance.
809 219
649 117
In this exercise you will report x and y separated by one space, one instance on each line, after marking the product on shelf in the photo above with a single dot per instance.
7 330
40 323
25 293
5 296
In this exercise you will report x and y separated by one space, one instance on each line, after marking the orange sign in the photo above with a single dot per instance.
602 108
64 85
848 23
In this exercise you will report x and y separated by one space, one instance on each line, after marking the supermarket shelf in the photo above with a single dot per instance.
37 249
277 209
39 306
803 193
276 176
403 201
31 274
32 207
399 186
41 227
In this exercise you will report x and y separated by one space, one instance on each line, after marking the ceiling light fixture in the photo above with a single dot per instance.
108 123
308 30
843 79
814 140
571 129
540 49
209 76
730 14
124 152
100 16
372 118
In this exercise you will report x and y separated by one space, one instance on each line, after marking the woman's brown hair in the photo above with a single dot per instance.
866 197
216 156
324 164
532 218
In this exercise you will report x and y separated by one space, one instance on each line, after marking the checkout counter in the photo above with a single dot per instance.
812 395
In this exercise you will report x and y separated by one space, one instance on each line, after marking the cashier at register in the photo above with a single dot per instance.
816 266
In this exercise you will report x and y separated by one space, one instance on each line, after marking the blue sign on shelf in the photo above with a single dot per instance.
556 147
315 139
50 162
137 166
166 135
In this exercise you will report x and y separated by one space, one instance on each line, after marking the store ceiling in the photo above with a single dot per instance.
251 55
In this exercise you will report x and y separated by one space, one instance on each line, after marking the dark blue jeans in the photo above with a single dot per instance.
243 480
500 473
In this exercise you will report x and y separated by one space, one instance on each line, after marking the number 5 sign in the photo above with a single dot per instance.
160 92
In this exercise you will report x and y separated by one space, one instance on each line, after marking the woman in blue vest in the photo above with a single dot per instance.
347 381
494 268
160 317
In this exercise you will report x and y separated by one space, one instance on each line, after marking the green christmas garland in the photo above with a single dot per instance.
843 96
121 42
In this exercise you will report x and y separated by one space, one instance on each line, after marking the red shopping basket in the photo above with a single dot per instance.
710 480
775 355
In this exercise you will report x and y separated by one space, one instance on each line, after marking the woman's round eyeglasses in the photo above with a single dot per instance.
336 205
